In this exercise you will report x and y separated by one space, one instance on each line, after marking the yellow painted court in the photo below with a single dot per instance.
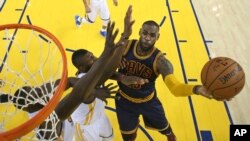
192 118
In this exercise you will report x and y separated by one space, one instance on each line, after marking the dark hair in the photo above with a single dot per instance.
76 55
152 23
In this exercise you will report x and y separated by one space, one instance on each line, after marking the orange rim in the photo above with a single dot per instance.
32 123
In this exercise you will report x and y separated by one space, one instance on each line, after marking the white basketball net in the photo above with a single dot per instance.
27 58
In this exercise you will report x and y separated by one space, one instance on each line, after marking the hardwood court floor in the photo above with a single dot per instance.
190 32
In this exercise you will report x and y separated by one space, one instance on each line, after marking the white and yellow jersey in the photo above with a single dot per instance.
91 122
87 114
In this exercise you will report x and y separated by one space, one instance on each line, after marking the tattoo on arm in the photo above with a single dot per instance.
164 66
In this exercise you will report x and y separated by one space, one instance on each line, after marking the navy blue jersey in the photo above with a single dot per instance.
141 66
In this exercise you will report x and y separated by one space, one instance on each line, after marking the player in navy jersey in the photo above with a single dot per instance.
143 59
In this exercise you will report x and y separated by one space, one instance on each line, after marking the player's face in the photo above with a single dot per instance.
149 34
89 59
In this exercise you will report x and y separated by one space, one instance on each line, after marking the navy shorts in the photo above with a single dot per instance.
128 115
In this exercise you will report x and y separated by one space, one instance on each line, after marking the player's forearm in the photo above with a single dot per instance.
82 90
177 88
117 76
104 65
51 85
115 60
112 64
85 85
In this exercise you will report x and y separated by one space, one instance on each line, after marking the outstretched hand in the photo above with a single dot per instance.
206 93
128 23
128 80
123 63
106 91
110 45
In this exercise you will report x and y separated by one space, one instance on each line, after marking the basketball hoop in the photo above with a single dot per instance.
30 59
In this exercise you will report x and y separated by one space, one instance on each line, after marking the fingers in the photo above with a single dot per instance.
113 92
128 17
110 38
223 99
131 23
111 88
146 80
110 29
128 80
210 96
141 81
112 97
128 23
123 63
114 35
120 43
115 97
106 102
109 85
219 98
129 10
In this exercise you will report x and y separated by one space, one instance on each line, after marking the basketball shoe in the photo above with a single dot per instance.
103 33
78 20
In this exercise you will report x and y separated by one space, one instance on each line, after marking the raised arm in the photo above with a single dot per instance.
85 85
51 85
115 60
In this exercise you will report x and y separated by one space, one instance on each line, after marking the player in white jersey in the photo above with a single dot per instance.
87 63
25 97
91 122
98 73
32 99
93 8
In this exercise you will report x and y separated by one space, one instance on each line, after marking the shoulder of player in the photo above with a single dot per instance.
164 66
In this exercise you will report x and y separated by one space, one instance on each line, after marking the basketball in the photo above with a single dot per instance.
223 77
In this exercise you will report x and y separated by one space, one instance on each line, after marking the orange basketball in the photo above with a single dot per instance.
223 76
